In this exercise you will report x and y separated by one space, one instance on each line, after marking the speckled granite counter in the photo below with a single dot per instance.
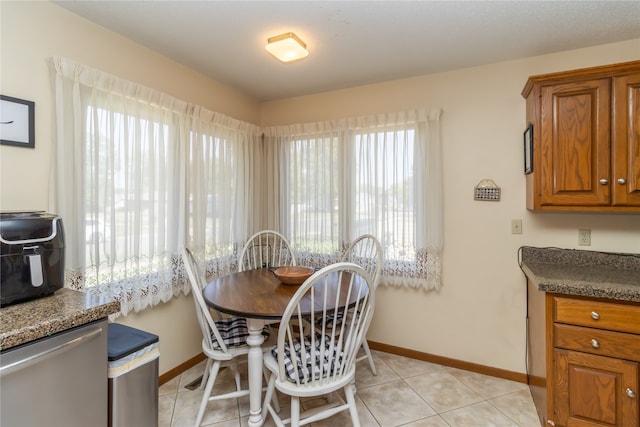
28 321
613 276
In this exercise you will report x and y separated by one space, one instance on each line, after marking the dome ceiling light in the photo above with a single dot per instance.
287 47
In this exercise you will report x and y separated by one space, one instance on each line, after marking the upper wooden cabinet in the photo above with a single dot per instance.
586 139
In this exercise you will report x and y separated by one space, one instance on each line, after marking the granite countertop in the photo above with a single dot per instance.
614 276
65 309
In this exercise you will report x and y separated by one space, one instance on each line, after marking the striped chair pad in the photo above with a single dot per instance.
308 368
234 332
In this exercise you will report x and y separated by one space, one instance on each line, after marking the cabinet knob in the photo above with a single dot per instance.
595 343
604 181
595 315
622 181
630 393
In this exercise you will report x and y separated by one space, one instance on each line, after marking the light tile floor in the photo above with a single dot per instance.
406 392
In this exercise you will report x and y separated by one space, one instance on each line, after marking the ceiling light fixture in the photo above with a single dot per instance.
287 47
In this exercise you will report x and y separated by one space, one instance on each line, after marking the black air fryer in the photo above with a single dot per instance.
31 256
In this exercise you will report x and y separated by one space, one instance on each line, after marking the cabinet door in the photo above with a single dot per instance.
594 391
626 140
575 143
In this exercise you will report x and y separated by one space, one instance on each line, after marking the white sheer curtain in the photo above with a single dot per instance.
223 175
330 182
136 173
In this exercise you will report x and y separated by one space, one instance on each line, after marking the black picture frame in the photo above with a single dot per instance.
528 149
17 125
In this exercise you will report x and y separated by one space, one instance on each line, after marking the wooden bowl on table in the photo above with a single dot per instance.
293 275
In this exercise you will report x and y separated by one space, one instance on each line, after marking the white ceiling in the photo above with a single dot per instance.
356 42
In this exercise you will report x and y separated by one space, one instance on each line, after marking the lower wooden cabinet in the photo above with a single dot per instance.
592 390
593 362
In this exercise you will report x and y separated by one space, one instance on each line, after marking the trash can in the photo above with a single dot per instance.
133 377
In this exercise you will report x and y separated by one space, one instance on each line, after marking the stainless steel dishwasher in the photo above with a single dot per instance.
56 381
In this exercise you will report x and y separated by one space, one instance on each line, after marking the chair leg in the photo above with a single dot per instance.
205 375
271 385
365 346
276 418
295 411
353 409
236 374
275 403
207 392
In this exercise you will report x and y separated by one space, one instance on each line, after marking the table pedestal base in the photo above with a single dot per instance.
254 365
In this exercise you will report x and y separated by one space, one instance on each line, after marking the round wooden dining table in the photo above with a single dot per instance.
255 293
261 298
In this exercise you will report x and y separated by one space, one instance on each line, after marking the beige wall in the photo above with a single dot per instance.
30 32
478 316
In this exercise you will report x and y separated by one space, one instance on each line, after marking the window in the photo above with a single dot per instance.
127 188
377 175
221 178
137 176
383 180
313 218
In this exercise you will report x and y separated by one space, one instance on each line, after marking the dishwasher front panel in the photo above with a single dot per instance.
57 381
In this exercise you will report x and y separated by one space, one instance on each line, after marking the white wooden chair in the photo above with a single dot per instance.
223 340
366 251
266 248
325 360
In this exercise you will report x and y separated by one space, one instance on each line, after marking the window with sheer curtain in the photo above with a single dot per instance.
379 175
136 176
223 169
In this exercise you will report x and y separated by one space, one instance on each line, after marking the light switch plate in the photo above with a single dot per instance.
516 226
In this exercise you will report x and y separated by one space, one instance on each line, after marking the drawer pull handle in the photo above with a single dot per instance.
631 393
595 315
595 343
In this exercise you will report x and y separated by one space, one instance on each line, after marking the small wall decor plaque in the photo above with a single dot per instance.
487 191
17 122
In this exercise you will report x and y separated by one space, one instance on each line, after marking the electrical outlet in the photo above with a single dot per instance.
516 226
584 237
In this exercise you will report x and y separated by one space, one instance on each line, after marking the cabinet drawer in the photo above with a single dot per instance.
597 314
597 341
